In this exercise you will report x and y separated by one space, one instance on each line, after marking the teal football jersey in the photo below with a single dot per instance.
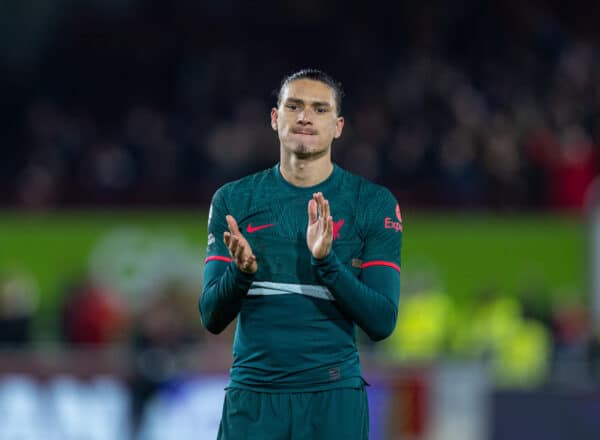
292 335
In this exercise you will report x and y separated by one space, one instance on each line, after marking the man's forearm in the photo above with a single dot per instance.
224 289
373 304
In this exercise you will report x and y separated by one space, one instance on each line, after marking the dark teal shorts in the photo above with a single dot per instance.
324 415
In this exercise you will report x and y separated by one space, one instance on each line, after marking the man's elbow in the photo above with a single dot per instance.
380 334
212 325
214 328
209 320
383 329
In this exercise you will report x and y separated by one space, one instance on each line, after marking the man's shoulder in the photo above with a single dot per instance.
379 209
246 184
365 188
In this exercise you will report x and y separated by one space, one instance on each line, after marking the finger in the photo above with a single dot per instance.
312 211
326 208
239 252
226 238
248 261
233 245
232 224
319 200
329 227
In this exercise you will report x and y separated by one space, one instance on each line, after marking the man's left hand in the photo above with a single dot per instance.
319 233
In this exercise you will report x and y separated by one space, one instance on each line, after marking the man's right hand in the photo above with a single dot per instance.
239 248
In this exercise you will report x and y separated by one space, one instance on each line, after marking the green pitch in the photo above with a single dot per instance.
462 254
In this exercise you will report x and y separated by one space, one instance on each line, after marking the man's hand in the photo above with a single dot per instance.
319 233
239 249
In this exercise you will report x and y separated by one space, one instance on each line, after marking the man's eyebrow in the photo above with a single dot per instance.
314 103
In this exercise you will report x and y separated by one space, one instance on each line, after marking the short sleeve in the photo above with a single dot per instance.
383 230
217 225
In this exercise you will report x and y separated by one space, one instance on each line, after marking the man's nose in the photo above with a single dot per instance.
305 117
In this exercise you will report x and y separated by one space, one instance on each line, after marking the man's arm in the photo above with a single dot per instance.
229 270
372 300
223 290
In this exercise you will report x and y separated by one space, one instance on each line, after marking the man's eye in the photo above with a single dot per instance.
292 106
321 109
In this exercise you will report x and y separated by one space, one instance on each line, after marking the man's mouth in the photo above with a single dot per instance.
304 131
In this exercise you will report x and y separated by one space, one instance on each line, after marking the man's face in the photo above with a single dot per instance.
306 119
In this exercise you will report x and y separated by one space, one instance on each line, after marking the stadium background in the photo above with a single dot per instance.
120 118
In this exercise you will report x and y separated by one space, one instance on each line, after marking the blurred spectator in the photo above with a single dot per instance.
460 172
421 334
164 330
576 344
94 316
517 348
18 305
108 170
431 326
569 161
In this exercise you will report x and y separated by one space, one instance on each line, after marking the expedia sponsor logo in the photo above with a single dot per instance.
391 224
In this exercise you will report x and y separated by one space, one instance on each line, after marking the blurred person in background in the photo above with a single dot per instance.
94 316
318 256
568 161
161 335
575 359
18 305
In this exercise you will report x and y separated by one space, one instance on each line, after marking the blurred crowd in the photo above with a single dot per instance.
522 344
526 341
477 107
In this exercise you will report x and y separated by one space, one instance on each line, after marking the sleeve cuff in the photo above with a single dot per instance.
324 262
242 279
327 269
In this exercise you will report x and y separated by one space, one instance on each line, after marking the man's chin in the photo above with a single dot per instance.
303 150
306 151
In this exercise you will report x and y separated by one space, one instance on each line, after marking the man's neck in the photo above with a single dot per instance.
305 172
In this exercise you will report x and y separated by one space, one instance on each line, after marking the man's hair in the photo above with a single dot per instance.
315 75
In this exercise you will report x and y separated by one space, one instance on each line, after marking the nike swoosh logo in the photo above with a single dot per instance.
251 229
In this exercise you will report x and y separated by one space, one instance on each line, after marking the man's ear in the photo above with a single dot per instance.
339 126
274 116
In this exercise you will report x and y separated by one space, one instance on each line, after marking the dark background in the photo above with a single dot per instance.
461 104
